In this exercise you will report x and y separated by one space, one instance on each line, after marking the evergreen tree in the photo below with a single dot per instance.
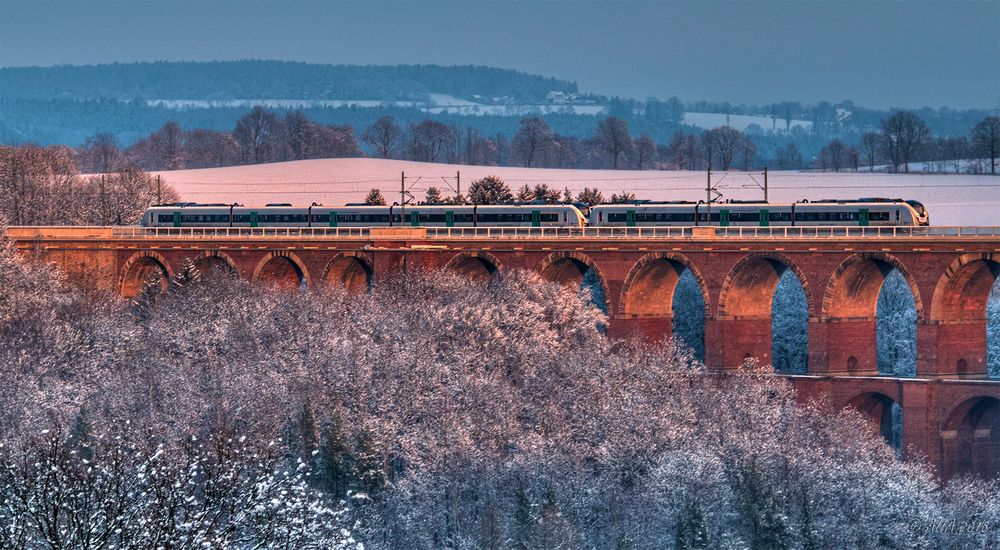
524 194
590 196
375 198
489 190
433 196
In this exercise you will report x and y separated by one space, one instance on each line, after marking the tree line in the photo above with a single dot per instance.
232 416
904 138
43 186
261 136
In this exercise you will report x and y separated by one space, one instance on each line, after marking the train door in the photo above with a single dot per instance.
177 219
253 219
724 217
449 218
333 219
863 216
630 218
536 218
415 219
765 217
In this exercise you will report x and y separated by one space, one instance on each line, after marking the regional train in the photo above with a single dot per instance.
829 212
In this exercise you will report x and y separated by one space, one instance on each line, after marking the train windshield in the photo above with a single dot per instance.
918 207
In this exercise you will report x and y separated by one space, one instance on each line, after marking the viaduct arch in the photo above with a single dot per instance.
140 268
745 304
283 270
477 265
647 295
349 270
850 304
958 308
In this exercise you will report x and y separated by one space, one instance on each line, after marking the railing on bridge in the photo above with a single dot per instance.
750 232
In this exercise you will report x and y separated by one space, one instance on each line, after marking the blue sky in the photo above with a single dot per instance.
880 54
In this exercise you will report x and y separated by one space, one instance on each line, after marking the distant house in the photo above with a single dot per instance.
556 97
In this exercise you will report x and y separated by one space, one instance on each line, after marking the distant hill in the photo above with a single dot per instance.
255 79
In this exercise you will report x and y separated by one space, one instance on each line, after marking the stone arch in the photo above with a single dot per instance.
476 265
282 269
212 264
350 270
964 288
650 284
970 438
748 289
877 407
853 289
568 268
140 267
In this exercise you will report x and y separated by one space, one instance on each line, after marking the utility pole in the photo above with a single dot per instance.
458 183
402 193
158 199
765 184
708 195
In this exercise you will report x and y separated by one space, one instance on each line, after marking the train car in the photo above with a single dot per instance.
429 215
833 212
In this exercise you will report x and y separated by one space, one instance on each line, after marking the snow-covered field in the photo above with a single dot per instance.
951 199
741 122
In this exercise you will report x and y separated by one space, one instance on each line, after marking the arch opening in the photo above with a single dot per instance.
896 327
688 306
790 325
966 307
885 414
348 272
141 272
281 273
871 307
475 268
665 286
214 268
993 332
971 439
574 272
748 300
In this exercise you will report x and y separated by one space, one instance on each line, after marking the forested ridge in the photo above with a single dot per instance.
262 79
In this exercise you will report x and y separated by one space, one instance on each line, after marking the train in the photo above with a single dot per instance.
640 213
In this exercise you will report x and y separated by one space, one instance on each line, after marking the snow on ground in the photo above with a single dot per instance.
741 122
951 199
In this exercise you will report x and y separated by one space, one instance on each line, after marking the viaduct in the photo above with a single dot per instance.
951 409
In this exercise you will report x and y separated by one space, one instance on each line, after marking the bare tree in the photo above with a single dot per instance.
383 136
430 141
614 139
725 143
100 154
301 134
870 146
209 148
903 134
645 152
259 134
986 140
747 152
789 157
531 141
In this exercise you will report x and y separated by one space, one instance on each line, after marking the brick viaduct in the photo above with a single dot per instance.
951 409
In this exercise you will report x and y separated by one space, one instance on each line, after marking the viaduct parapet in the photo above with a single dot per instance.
951 409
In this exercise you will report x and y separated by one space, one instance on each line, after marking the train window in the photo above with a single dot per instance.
550 217
615 217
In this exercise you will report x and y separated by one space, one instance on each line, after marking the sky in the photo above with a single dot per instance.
879 54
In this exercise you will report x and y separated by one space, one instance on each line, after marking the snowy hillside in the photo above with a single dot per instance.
952 200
